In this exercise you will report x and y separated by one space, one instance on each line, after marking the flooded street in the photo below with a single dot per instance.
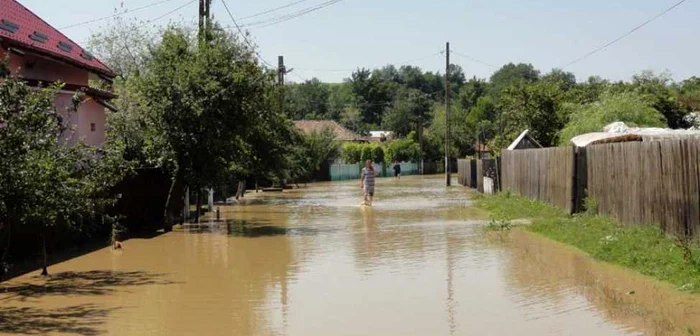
312 262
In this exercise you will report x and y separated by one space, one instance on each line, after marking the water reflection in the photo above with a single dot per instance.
550 279
312 262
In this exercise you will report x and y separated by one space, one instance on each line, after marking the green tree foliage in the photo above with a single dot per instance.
351 152
211 105
410 109
629 107
372 94
512 74
49 186
470 93
308 100
536 107
321 148
406 149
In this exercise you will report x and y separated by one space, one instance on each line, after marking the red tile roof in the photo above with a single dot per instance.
15 17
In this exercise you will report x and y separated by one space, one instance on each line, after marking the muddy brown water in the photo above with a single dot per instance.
312 262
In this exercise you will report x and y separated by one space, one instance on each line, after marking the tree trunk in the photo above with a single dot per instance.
44 270
166 216
199 204
3 269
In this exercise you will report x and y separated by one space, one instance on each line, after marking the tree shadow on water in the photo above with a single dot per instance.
80 320
90 283
242 228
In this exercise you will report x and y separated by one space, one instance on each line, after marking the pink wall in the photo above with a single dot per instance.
80 123
90 112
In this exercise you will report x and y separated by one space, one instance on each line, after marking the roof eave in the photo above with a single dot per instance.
12 43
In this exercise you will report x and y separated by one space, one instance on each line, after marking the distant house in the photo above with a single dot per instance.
342 134
41 55
380 136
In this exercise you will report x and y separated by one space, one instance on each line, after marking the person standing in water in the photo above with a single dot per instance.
397 170
367 182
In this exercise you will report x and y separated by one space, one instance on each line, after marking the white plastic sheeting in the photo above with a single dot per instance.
620 132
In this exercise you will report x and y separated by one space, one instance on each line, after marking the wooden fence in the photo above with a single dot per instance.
544 174
647 182
466 172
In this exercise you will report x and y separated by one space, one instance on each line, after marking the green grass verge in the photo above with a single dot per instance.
646 249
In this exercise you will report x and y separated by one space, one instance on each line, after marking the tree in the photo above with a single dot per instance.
536 107
689 93
320 148
404 149
308 100
373 95
122 45
471 92
629 107
511 74
565 80
49 186
204 101
408 112
665 100
351 117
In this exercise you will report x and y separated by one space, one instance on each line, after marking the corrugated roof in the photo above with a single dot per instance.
21 27
620 132
341 133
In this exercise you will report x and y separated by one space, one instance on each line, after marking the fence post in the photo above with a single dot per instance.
580 180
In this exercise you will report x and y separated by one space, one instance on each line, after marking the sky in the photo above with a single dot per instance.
331 42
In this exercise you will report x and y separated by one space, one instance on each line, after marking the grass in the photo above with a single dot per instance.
645 248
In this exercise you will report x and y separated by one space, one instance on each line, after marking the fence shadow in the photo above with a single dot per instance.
90 283
80 320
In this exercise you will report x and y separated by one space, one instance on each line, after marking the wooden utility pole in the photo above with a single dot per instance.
447 115
281 71
204 17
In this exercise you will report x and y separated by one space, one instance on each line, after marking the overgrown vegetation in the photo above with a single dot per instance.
646 249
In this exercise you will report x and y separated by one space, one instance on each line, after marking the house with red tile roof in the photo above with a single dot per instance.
41 55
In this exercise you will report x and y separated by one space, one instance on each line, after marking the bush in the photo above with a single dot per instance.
629 107
402 150
351 152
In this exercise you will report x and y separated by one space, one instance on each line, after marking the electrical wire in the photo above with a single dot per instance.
245 38
287 17
272 10
407 62
472 59
170 12
114 15
599 49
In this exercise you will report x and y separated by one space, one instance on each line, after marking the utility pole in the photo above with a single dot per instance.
447 115
281 71
204 17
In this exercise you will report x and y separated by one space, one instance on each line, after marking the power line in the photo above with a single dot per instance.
245 38
159 17
272 10
170 12
287 17
407 62
114 15
595 51
472 59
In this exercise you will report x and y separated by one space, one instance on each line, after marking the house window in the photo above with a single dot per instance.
65 46
39 37
92 127
8 26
